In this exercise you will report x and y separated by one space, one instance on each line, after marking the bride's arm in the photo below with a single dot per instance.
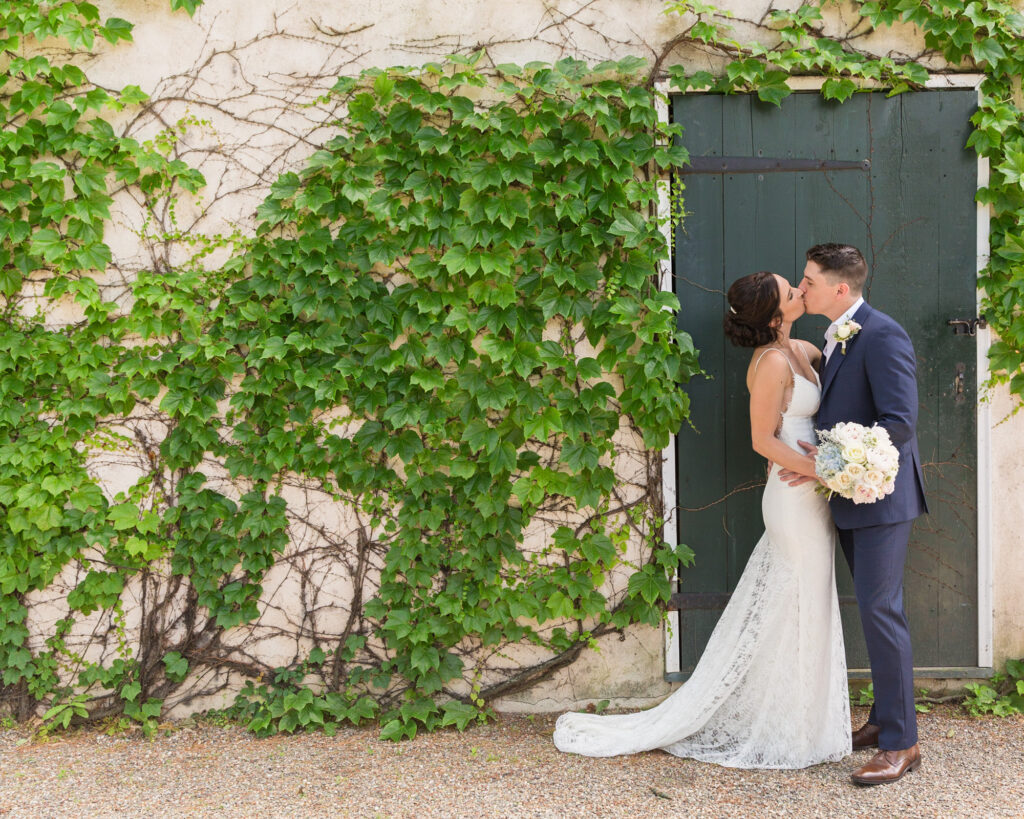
767 391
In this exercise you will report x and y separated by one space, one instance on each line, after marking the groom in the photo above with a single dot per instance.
870 378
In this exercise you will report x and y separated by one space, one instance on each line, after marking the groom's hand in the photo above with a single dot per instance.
810 449
795 478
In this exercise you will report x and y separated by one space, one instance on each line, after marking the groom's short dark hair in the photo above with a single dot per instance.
843 262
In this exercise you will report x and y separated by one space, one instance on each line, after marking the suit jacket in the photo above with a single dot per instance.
876 382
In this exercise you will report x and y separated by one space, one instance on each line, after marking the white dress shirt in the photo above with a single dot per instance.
830 343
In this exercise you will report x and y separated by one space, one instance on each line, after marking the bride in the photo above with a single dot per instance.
770 690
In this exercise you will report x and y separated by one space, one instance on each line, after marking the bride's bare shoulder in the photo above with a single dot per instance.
767 362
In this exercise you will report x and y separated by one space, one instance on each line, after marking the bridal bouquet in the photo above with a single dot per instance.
856 462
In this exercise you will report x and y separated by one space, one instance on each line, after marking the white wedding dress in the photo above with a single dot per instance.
770 690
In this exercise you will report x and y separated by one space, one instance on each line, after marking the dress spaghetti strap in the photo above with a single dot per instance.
774 350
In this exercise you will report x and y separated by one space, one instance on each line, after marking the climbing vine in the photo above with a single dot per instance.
445 330
61 166
409 426
443 322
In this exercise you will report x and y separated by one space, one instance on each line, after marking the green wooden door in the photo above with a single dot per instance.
910 209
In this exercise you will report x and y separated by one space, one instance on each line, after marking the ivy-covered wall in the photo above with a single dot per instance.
345 385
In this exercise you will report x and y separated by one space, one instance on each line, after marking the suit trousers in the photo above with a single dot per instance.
876 556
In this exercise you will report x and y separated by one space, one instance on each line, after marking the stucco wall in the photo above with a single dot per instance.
1007 512
248 72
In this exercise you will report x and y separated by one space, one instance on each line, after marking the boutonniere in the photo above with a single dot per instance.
844 332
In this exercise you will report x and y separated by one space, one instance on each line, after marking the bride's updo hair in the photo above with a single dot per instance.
753 307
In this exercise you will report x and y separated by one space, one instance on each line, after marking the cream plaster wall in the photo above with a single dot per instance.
625 669
251 72
1007 478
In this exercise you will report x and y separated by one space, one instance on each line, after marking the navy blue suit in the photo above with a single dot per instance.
875 381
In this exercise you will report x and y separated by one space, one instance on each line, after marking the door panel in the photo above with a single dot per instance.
912 213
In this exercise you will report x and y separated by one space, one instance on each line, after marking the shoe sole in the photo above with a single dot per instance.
913 766
865 747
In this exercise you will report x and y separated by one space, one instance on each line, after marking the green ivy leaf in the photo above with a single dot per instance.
1012 167
428 379
579 455
45 516
458 714
48 244
774 88
176 666
405 119
132 95
630 225
650 584
141 548
10 281
396 730
838 88
116 29
177 402
88 496
123 516
988 51
188 5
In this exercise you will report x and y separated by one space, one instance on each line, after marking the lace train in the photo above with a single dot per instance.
770 690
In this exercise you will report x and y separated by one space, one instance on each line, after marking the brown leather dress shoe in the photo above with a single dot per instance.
887 766
866 737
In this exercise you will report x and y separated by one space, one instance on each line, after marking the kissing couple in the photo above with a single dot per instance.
770 689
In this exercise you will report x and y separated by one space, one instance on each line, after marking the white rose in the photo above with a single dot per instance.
865 494
874 477
854 453
855 471
843 332
845 484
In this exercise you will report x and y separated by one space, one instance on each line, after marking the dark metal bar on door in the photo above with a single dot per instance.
757 164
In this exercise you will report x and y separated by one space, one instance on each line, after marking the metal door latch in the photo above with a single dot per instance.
967 327
958 382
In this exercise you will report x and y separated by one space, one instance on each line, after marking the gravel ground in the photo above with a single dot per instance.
972 767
